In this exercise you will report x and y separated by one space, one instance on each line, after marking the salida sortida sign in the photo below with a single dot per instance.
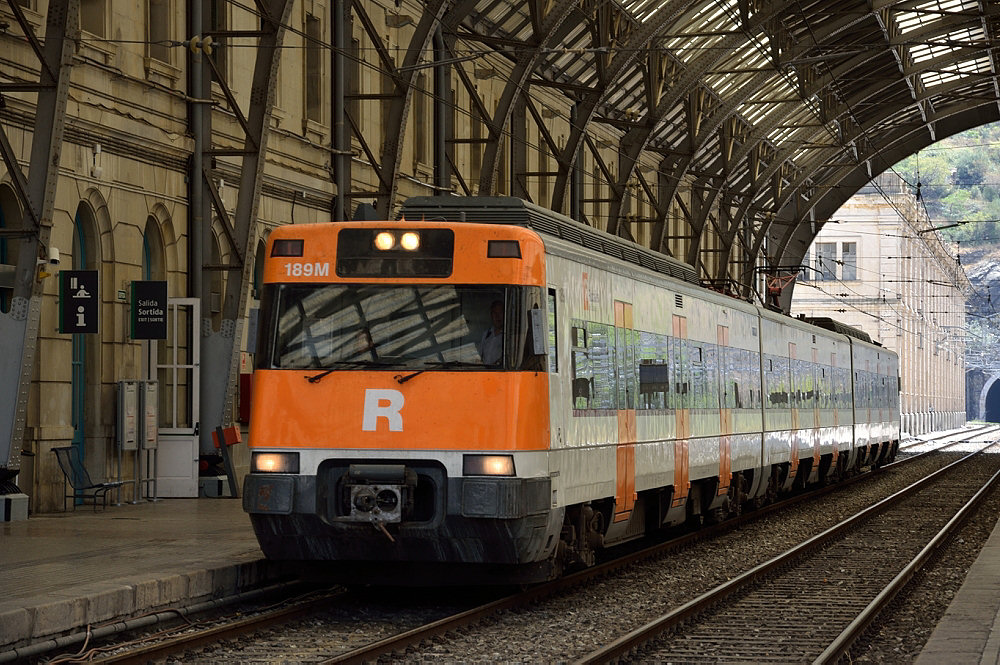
149 310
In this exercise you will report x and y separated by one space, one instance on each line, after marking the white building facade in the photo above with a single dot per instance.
881 268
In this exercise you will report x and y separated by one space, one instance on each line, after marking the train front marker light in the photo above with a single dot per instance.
410 241
384 241
274 463
487 465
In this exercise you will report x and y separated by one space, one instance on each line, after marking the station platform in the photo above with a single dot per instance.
969 631
63 572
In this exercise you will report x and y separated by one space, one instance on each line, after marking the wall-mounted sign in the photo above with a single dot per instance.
149 310
79 301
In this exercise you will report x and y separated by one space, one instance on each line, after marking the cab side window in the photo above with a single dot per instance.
553 332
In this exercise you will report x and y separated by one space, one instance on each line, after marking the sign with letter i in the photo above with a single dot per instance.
79 301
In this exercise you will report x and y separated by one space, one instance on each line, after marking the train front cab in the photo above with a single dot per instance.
380 437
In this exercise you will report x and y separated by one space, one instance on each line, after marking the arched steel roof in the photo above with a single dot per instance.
762 117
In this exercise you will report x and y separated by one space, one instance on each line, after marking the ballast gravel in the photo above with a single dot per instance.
567 627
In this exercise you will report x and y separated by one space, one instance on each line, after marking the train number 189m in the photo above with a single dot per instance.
303 269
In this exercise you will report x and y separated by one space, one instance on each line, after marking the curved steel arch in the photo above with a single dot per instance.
750 134
589 103
850 180
895 146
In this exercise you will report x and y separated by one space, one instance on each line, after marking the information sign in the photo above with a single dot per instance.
78 301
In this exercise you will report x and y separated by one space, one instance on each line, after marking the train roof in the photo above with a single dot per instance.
827 323
517 212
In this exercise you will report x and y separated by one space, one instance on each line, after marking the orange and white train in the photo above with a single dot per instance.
626 398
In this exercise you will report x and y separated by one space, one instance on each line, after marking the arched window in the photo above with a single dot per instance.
153 263
10 215
84 364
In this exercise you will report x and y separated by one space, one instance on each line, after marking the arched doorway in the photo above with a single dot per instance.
10 216
153 267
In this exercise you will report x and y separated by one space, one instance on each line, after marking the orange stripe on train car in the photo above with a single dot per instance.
434 410
471 265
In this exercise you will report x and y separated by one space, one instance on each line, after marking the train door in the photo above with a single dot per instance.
681 404
177 366
792 381
725 414
626 383
559 391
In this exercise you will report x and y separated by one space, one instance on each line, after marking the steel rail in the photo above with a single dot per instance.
856 628
414 636
402 641
649 631
154 652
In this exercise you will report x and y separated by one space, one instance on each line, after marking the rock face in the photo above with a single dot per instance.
982 345
982 265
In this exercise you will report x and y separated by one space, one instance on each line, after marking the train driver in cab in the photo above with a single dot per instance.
491 346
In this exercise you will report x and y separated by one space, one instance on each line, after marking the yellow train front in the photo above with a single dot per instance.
392 420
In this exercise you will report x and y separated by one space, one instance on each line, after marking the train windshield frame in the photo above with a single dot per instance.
396 326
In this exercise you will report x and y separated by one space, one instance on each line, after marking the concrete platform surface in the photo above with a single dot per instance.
969 631
62 572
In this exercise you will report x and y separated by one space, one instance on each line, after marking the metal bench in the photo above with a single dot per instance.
76 476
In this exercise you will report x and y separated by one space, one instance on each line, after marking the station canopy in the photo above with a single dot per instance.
764 117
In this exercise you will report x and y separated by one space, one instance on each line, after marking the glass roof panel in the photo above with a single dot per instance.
950 43
922 14
956 71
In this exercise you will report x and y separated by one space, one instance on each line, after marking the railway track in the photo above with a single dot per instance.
813 602
429 630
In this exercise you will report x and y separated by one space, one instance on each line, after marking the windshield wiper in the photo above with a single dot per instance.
343 364
438 365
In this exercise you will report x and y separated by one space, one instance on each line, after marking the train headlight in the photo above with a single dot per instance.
274 463
384 241
410 241
487 465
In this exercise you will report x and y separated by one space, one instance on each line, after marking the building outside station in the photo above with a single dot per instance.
881 268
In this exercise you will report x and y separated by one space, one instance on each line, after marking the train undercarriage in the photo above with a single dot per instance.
588 527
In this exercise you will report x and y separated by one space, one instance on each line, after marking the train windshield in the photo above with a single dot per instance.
369 326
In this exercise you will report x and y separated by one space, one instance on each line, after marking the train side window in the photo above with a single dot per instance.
776 383
731 377
681 374
553 332
583 381
710 374
600 352
654 380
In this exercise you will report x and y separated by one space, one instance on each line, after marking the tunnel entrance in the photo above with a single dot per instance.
991 410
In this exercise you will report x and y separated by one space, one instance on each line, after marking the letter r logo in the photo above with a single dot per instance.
383 404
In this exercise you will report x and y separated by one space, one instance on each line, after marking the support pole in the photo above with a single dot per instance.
341 137
197 113
575 176
19 328
442 116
